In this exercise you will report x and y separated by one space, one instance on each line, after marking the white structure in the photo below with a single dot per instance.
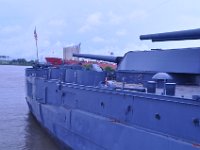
68 52
4 59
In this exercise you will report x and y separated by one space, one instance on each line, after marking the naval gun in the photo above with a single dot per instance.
183 64
100 57
192 34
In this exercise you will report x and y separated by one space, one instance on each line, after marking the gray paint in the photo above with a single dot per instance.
173 61
192 34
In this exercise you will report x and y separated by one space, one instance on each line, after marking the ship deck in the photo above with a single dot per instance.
182 91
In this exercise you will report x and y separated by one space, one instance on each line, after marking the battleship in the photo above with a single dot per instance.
153 103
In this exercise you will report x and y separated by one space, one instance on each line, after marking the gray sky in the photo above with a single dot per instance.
102 26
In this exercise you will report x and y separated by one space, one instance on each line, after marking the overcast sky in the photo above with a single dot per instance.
102 26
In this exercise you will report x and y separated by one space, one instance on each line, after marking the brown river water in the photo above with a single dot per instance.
18 129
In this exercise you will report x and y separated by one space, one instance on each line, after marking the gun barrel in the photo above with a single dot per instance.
99 57
192 34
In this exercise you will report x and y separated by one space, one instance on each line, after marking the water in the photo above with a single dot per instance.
18 129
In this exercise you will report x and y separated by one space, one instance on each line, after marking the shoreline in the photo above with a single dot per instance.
16 64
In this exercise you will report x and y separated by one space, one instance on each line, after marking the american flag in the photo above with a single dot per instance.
35 34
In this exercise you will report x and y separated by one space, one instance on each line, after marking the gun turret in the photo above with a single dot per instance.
192 34
100 57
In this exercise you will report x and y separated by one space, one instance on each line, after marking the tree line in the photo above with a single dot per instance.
19 61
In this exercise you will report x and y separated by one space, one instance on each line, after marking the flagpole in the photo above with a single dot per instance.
37 50
36 39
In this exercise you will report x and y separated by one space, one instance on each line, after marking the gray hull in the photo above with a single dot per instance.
86 117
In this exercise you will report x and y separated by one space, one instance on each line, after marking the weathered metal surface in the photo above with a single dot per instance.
81 115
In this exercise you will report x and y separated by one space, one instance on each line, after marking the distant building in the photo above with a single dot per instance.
68 52
4 59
